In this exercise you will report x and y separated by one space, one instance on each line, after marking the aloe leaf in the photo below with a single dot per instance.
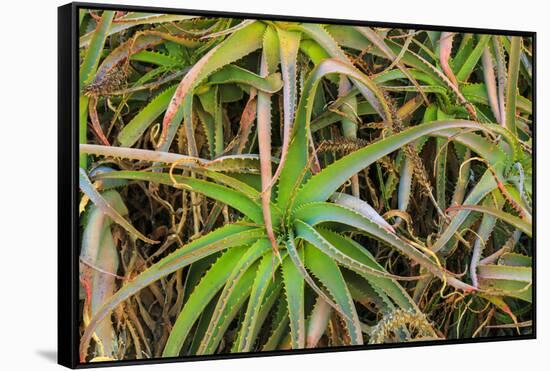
490 82
500 60
316 53
294 291
483 233
312 235
93 53
103 287
348 37
230 235
234 304
464 49
370 91
362 207
87 71
330 276
194 274
415 60
512 83
319 212
322 185
441 164
230 163
131 132
242 42
214 279
268 265
264 118
272 296
387 286
313 51
218 117
374 38
280 329
518 223
239 269
199 329
217 192
88 188
207 122
405 183
494 153
499 289
297 156
157 58
469 64
318 322
248 163
483 187
365 293
295 257
515 259
99 263
502 272
289 43
124 51
229 30
330 117
83 128
445 49
95 225
134 19
419 63
349 126
234 74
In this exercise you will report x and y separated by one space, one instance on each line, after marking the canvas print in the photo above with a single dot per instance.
256 185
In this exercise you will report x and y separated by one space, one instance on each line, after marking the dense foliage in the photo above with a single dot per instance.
264 185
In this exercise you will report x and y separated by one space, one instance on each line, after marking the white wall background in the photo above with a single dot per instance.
28 246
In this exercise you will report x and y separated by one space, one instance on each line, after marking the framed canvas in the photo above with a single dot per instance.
237 185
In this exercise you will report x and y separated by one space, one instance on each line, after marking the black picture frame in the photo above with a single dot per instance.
68 220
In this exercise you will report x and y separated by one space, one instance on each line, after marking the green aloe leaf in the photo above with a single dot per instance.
239 270
132 19
333 176
230 235
240 43
512 83
502 272
93 53
289 43
234 74
312 235
86 74
482 188
231 163
264 278
469 64
330 276
214 279
235 302
519 223
388 286
88 188
131 133
293 171
215 191
294 291
513 281
315 213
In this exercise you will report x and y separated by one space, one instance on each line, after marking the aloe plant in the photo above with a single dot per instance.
382 164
